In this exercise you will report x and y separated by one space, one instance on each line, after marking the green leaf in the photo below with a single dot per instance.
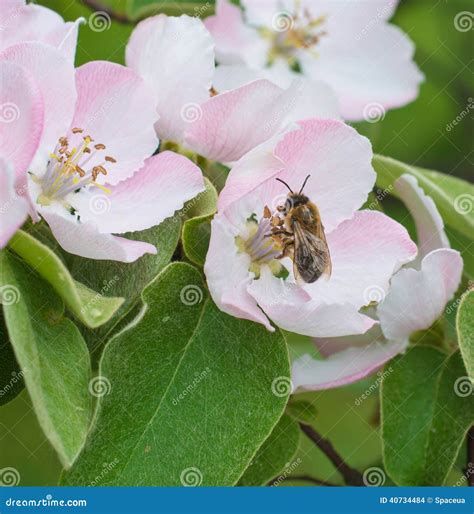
138 9
11 376
197 230
52 354
427 408
204 204
465 331
274 455
92 308
452 195
191 396
302 410
128 280
196 237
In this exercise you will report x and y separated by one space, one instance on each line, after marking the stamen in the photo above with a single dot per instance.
302 33
68 171
260 245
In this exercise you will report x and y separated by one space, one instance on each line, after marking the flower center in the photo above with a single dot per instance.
69 169
291 33
261 246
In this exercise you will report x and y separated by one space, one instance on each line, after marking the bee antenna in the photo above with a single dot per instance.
283 182
304 183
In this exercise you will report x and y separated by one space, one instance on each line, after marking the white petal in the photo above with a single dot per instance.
428 221
85 240
176 58
417 298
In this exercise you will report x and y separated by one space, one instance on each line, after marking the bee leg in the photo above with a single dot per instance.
281 231
288 248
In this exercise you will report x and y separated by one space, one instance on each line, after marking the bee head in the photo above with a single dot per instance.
295 200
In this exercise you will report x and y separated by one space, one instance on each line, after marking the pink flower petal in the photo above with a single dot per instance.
176 58
228 77
153 193
369 69
428 221
54 75
236 42
85 240
13 208
228 276
226 129
21 118
365 252
339 161
327 346
289 307
249 173
334 154
114 106
22 23
344 367
417 298
261 12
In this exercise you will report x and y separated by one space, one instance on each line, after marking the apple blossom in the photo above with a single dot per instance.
417 297
245 276
21 22
348 45
176 58
81 148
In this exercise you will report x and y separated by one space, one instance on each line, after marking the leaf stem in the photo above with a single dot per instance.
351 475
470 457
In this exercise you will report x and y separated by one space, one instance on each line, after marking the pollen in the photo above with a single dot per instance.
299 31
260 245
72 168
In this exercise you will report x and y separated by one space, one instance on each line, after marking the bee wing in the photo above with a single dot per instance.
311 253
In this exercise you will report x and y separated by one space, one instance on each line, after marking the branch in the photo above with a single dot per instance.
97 6
302 478
351 475
470 457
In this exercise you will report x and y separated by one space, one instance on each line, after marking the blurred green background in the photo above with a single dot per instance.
420 133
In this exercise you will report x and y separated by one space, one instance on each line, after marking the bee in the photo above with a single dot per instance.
301 234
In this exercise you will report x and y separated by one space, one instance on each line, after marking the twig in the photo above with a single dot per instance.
470 457
97 6
301 478
351 475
